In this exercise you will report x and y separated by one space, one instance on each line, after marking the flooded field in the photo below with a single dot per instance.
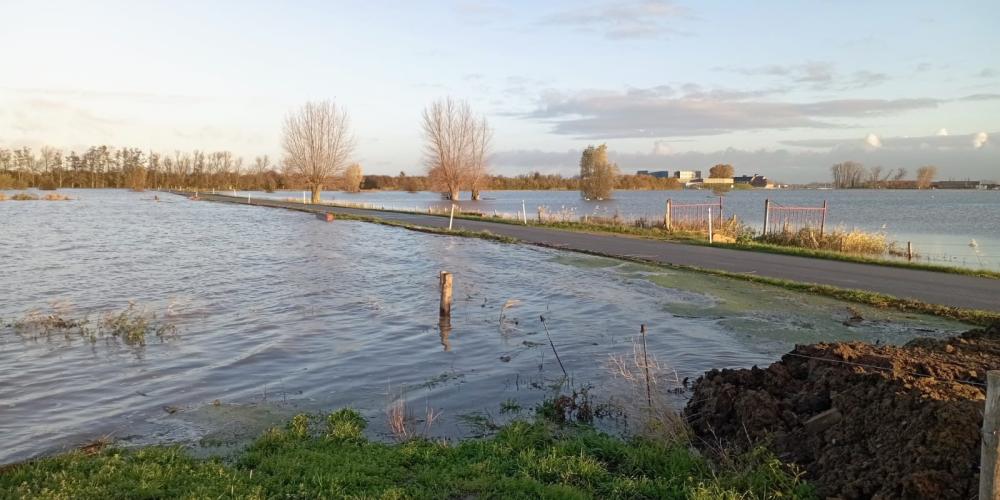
277 312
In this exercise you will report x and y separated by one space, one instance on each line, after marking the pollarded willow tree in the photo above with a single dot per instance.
317 143
353 177
597 173
457 147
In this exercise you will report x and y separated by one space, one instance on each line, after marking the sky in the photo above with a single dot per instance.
784 89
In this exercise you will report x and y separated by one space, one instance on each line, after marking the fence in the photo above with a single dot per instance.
781 218
692 216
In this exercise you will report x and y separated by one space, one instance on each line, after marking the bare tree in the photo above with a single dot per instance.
353 177
457 146
722 171
848 174
900 174
875 176
925 176
317 143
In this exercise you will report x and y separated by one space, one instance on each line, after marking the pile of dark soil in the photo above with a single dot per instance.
863 421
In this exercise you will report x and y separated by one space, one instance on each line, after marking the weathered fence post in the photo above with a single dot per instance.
710 238
524 212
666 216
645 365
539 214
822 222
451 218
989 469
767 214
445 313
909 250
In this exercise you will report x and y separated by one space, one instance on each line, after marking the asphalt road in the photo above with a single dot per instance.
927 286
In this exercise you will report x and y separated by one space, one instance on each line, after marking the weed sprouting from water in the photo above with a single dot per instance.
132 326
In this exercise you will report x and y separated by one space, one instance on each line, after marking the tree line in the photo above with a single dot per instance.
132 168
854 175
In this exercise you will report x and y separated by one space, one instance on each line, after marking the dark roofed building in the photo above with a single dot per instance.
659 174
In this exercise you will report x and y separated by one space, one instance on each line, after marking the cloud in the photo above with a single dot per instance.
942 132
938 142
981 97
987 73
817 75
953 157
661 148
980 140
621 20
660 112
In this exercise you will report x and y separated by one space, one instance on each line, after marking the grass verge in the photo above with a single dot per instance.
535 459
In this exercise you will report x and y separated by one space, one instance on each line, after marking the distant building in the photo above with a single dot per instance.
687 175
753 180
959 185
714 181
659 174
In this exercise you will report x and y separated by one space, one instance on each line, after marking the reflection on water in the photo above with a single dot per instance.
278 312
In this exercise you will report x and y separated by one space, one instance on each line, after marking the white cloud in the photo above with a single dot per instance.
662 148
660 112
621 20
942 132
873 141
980 140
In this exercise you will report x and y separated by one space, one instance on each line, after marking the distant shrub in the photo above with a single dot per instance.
24 197
55 197
8 181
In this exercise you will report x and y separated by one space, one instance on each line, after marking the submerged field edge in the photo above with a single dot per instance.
875 299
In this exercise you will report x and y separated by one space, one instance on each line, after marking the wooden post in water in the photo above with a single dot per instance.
451 218
645 364
909 250
989 469
767 214
524 212
710 237
445 313
822 222
666 216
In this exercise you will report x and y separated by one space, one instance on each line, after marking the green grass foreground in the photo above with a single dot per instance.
331 458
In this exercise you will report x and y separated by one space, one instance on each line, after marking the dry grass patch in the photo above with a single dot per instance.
854 241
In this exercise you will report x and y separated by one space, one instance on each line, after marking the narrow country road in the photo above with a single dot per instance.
933 287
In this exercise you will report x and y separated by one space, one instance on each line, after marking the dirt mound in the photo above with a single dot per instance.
863 421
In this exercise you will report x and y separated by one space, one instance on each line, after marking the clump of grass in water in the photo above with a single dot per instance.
525 459
131 326
24 197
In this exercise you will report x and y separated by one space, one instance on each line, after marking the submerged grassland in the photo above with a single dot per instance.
330 457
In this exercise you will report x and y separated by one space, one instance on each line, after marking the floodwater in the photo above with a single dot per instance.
279 312
953 227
